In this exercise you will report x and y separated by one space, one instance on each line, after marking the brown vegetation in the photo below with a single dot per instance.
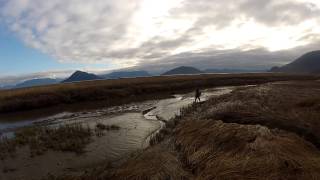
7 148
162 164
114 92
216 150
72 138
291 106
252 133
100 128
107 127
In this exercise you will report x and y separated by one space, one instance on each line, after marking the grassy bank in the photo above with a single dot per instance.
260 132
290 106
115 92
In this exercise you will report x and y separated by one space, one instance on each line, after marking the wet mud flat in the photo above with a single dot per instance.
137 122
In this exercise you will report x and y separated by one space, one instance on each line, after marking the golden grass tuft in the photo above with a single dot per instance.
216 150
161 164
289 106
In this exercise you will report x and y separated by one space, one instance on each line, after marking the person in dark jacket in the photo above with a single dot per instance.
197 95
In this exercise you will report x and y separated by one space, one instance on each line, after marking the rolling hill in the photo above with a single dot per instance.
81 76
307 63
183 70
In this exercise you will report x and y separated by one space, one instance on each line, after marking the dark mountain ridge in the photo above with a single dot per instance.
81 76
307 63
234 70
183 70
126 74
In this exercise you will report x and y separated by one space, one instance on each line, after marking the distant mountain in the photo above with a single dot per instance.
233 70
4 87
36 82
307 63
81 76
183 70
126 74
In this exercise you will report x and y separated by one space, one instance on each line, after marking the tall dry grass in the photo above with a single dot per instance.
114 92
216 150
162 164
291 106
71 138
253 133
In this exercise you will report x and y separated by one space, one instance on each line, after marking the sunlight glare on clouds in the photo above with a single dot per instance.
249 33
285 37
127 32
153 19
243 33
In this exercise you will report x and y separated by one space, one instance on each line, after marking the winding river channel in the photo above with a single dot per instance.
137 122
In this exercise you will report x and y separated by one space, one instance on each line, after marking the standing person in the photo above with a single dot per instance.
197 95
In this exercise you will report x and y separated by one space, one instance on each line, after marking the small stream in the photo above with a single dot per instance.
137 122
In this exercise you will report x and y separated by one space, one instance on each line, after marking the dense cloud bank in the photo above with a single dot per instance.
160 34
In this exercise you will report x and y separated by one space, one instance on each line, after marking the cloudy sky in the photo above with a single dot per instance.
55 37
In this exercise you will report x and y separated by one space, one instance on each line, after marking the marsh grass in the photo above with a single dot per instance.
116 92
70 138
252 133
257 133
313 102
7 148
107 127
162 164
292 107
100 129
165 131
212 149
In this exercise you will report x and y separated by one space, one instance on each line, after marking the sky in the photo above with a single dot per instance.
53 38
